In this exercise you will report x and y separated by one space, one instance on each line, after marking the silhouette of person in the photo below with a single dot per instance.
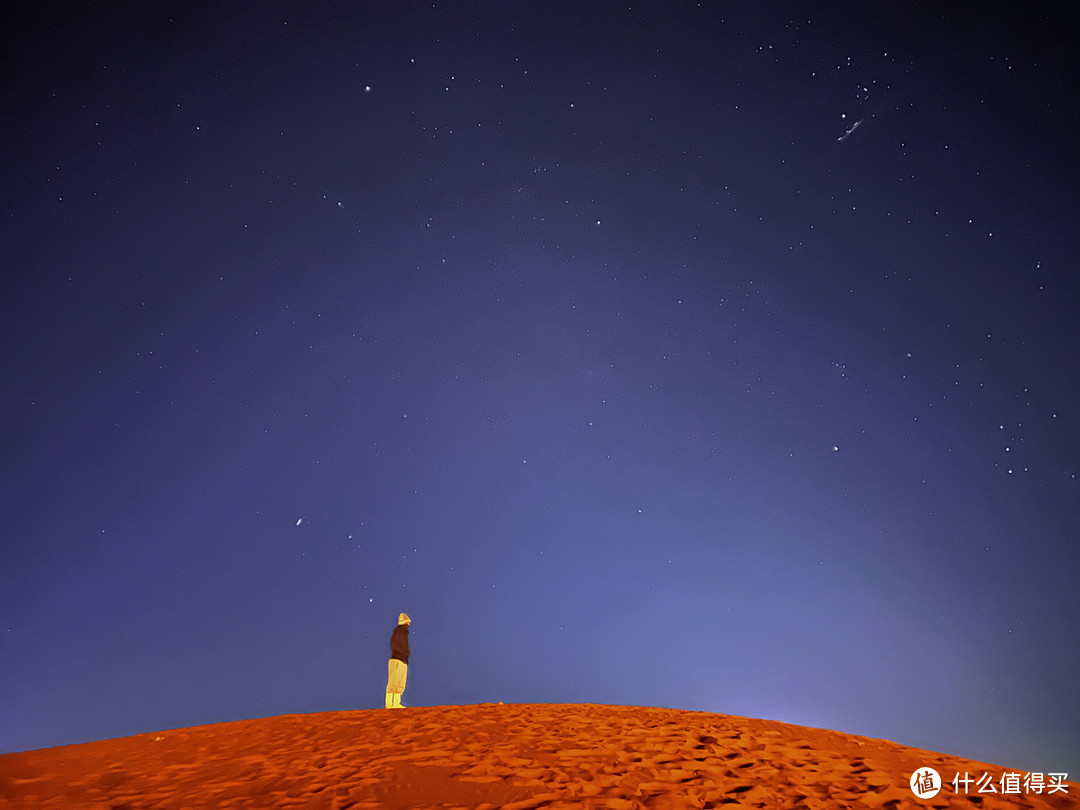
399 662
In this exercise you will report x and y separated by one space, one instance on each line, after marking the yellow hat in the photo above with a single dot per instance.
403 618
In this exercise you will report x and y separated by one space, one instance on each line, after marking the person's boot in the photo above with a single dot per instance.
397 701
389 700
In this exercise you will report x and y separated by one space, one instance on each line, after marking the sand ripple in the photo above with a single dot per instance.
493 756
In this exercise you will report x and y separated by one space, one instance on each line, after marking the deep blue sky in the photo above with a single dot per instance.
576 333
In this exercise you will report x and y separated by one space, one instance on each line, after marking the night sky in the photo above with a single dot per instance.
707 356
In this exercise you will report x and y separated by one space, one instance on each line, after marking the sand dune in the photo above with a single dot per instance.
517 756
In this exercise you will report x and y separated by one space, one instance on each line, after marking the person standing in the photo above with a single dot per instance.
399 662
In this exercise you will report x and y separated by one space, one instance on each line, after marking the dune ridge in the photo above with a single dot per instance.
518 757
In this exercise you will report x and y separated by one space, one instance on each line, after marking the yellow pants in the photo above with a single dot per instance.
397 672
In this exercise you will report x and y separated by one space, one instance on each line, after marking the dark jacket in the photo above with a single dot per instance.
399 643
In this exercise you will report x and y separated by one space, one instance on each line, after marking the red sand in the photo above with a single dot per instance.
517 757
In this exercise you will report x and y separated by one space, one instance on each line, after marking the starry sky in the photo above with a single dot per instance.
700 355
